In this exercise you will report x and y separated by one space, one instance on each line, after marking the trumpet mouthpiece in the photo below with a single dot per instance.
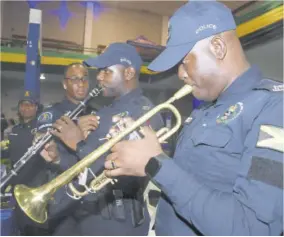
185 90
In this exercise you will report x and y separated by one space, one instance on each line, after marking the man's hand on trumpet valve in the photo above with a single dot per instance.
68 132
88 123
130 157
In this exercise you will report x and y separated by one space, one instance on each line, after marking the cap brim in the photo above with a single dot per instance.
170 57
30 100
100 61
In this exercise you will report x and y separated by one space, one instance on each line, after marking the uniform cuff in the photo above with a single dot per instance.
80 151
179 185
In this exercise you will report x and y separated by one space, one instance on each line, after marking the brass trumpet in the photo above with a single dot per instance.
33 201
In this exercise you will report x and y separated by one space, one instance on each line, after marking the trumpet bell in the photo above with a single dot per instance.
32 202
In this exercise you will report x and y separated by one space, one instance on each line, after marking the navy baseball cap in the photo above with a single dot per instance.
117 53
28 96
194 21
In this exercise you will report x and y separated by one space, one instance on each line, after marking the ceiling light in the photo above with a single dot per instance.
42 76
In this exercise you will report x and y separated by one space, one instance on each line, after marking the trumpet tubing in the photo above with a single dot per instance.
34 201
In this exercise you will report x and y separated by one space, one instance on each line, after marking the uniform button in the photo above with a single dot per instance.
81 202
204 125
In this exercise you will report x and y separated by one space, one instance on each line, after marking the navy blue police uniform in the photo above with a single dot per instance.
220 181
49 116
44 122
34 172
99 210
118 209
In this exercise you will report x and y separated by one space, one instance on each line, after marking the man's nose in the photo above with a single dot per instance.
182 75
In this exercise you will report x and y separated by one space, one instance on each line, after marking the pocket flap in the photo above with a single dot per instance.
217 137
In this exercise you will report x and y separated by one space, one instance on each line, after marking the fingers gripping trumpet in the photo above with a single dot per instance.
33 201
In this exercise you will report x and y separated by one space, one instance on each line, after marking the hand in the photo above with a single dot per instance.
88 123
68 132
50 152
131 157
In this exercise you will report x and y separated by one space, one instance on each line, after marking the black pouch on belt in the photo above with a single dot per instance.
137 209
118 207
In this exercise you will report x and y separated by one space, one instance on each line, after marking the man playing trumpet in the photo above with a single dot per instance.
120 209
219 181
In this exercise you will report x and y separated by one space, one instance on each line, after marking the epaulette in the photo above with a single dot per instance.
270 85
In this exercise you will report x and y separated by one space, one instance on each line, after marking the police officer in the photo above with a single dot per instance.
34 172
21 138
220 181
76 86
119 209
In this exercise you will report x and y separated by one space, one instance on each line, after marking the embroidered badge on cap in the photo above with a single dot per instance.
27 94
45 117
232 113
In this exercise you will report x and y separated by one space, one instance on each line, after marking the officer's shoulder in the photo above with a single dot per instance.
143 102
273 92
270 85
48 113
15 127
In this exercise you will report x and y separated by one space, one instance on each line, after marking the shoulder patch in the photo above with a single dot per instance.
270 85
45 117
271 137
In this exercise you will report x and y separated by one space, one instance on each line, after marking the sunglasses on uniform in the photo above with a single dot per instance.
77 80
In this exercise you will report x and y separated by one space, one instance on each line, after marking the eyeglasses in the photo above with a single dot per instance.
77 80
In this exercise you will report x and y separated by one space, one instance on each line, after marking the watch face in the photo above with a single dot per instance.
152 167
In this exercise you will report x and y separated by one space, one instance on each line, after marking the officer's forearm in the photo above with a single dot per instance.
207 209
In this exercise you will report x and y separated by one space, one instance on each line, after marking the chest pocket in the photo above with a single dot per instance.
214 137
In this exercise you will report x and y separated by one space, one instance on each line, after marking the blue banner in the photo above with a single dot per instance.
33 59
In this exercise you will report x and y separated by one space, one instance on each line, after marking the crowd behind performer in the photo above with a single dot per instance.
118 209
219 181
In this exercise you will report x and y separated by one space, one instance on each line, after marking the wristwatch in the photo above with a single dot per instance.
154 165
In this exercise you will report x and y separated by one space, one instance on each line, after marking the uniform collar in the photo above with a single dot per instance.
68 105
245 82
125 98
31 123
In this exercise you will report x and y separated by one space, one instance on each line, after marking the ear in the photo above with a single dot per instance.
129 73
64 85
218 47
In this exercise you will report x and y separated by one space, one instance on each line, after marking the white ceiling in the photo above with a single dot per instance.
165 8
